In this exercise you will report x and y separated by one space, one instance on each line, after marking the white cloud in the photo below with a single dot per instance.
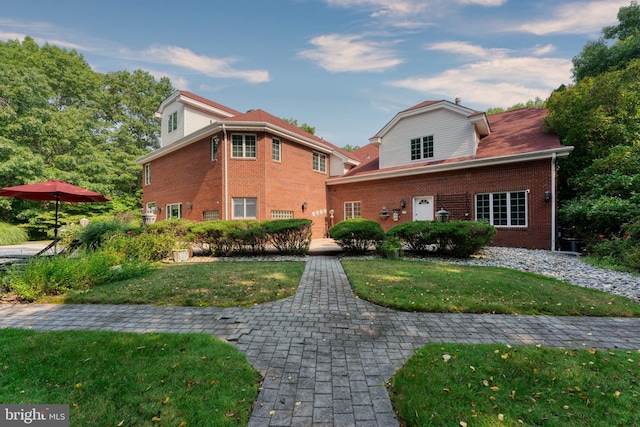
466 49
500 80
349 53
576 18
210 66
544 50
488 3
383 7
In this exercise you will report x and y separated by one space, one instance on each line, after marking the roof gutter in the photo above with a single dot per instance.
445 167
234 126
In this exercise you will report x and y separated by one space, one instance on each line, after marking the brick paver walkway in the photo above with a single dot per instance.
325 355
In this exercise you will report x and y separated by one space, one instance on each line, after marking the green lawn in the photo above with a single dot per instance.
122 379
448 288
498 385
219 284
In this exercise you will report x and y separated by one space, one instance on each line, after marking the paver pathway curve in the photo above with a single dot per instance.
325 355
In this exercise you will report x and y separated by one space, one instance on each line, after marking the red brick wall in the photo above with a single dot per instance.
189 175
532 176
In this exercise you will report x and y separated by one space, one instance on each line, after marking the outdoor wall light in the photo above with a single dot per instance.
304 206
443 215
402 203
189 206
547 195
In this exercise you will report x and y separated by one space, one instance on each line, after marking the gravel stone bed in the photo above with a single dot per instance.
560 265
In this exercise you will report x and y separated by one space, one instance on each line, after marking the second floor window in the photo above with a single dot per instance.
173 122
275 149
243 146
319 162
147 174
422 148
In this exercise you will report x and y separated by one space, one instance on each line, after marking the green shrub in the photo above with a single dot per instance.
226 238
456 238
96 234
619 251
12 234
59 274
289 236
179 228
357 235
461 238
415 234
145 247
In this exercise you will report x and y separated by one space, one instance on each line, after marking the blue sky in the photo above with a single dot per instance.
344 66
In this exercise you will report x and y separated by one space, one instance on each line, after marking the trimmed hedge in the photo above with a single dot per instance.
357 235
228 238
289 236
456 238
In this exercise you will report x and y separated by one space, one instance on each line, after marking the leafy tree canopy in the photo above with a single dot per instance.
60 119
535 103
305 127
618 45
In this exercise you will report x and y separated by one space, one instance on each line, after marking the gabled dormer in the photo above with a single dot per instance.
429 132
183 113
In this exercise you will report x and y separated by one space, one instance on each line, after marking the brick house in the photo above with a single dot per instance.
218 163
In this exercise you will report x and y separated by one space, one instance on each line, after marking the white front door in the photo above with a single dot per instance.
423 208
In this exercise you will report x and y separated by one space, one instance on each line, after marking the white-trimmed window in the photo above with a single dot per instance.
352 210
244 208
243 146
275 149
172 122
319 162
174 211
147 174
503 209
422 148
281 214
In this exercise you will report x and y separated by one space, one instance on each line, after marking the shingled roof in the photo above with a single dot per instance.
517 132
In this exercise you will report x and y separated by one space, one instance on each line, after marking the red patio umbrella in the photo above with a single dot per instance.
54 189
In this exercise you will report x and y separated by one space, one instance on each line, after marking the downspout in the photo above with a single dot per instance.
226 185
553 202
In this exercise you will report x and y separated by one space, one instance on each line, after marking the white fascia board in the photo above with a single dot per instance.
481 124
467 164
204 107
183 142
236 127
464 111
176 94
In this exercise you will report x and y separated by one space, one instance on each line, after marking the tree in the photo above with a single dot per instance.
618 46
350 148
60 119
305 127
535 103
594 116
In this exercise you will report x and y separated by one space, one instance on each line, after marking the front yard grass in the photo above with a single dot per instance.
499 385
206 284
448 288
126 379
